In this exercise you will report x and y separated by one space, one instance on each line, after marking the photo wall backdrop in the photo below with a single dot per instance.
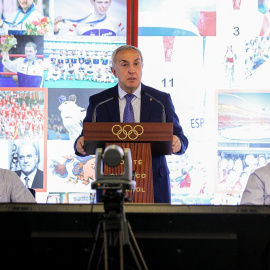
212 56
54 56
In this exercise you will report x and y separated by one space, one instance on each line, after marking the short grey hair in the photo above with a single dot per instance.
123 48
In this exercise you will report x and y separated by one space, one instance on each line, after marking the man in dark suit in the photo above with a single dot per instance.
127 64
28 157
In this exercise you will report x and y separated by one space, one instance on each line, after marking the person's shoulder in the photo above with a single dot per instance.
153 91
11 15
37 14
39 175
39 171
263 170
112 19
107 93
19 59
7 173
2 171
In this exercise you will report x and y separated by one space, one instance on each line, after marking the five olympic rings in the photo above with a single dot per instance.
127 131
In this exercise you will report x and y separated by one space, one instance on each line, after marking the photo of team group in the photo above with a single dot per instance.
87 66
22 115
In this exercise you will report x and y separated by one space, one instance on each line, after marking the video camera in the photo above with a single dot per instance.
112 157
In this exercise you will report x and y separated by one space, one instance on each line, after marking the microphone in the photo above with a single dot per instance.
94 115
163 108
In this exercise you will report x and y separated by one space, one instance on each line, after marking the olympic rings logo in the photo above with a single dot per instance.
127 131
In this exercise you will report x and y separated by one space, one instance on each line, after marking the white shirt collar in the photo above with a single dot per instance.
122 93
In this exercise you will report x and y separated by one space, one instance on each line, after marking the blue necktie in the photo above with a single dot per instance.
128 112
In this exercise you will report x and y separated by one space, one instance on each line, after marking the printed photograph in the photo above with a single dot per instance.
23 114
79 63
106 18
66 112
22 62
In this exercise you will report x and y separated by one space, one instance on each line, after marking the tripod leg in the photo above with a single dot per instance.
106 250
121 251
94 246
97 237
125 240
100 256
136 246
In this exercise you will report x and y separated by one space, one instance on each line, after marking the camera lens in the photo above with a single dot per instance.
113 155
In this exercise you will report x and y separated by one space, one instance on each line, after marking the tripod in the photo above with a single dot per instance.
117 235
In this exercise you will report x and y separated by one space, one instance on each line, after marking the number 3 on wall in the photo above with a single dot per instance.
236 31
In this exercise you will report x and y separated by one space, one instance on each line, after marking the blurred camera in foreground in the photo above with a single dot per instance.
113 156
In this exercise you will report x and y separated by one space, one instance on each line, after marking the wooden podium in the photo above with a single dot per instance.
143 140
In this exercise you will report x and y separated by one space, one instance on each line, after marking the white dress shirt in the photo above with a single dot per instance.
136 103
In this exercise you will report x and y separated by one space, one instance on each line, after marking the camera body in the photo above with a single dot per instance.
113 156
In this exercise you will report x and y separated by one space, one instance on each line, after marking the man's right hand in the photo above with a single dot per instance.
80 146
5 56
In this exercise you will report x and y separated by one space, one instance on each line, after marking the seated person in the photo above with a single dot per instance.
257 191
12 189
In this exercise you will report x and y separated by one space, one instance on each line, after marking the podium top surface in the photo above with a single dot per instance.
159 135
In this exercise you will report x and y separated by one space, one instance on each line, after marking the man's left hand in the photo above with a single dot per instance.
176 147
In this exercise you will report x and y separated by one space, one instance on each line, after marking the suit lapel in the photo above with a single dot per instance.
145 107
113 106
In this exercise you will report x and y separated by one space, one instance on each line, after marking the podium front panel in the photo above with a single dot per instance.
159 135
142 165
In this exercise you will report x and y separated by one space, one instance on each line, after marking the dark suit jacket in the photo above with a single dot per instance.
151 111
38 179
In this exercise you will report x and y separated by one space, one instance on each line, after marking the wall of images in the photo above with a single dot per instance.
212 57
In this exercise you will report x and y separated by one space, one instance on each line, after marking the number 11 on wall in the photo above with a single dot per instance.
170 82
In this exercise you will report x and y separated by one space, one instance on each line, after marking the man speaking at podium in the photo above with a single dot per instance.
132 101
